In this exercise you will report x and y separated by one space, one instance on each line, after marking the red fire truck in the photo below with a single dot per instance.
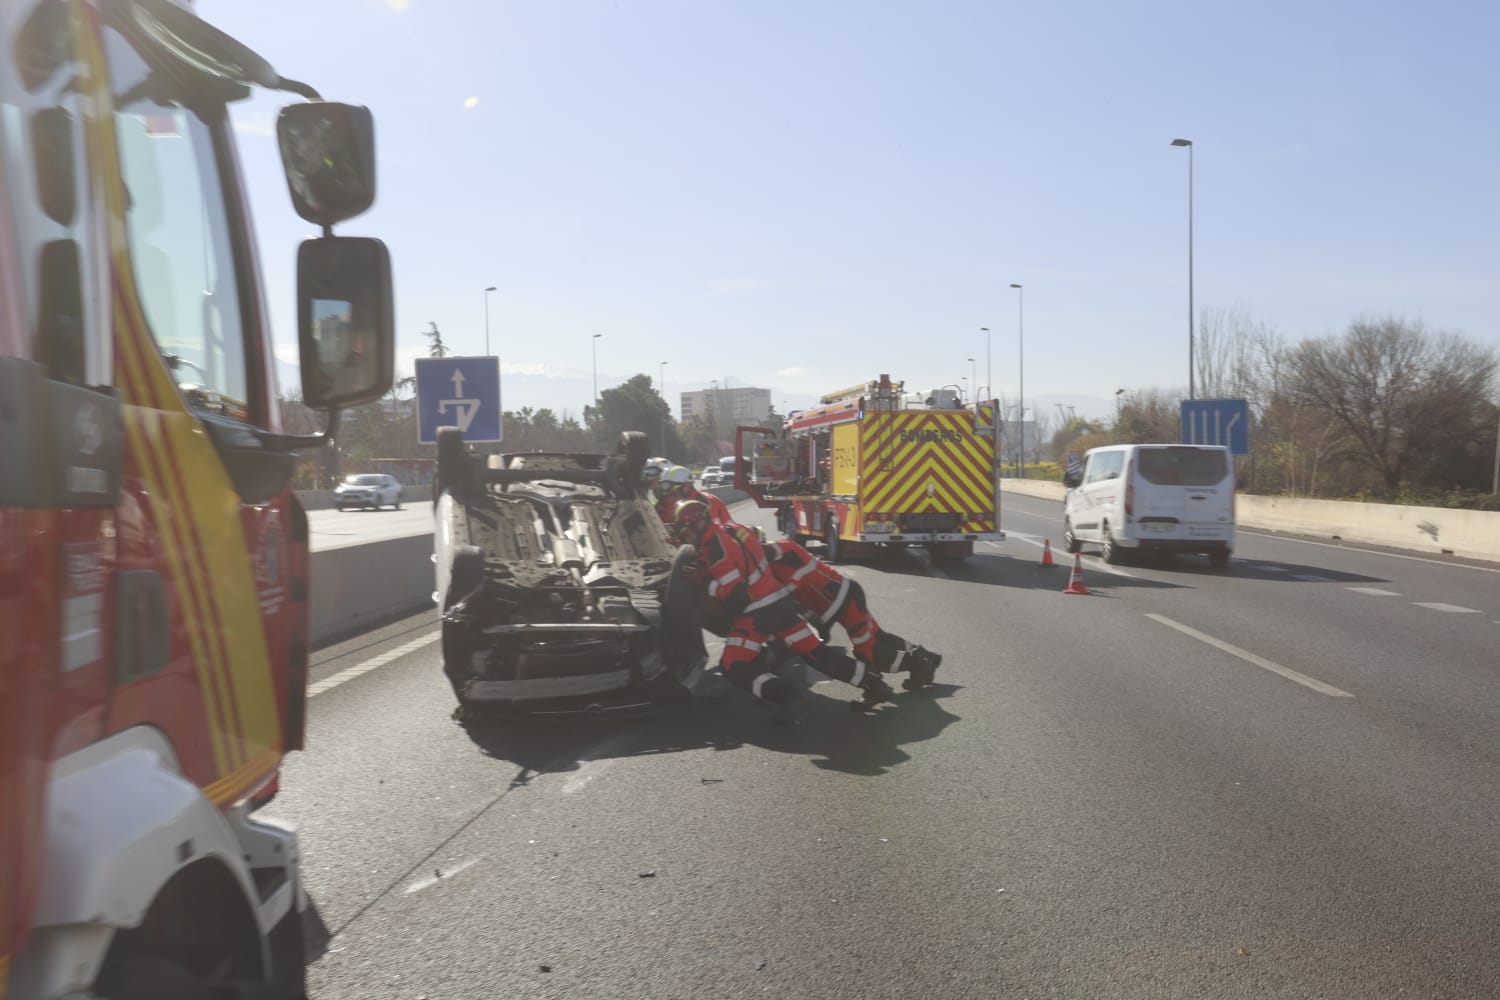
153 558
874 466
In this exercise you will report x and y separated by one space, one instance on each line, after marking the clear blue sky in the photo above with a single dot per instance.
802 194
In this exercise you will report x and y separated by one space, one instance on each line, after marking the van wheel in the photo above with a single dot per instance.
1070 540
1112 552
1219 558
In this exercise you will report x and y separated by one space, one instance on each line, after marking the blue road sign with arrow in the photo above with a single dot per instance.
1217 421
459 392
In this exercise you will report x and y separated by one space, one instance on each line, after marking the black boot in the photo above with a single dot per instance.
876 690
782 698
921 665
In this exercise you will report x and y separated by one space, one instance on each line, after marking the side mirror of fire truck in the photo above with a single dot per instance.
345 324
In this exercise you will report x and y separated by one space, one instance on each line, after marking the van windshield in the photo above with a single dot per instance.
1183 466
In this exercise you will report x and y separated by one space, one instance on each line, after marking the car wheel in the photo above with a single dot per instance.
1219 558
681 640
1112 553
1070 540
465 574
636 449
833 545
397 503
453 465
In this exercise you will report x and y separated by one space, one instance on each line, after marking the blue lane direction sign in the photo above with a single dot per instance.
1217 421
459 392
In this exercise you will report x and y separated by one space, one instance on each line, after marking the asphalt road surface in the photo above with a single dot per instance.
1278 781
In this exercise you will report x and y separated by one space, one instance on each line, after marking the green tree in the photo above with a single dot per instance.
436 348
635 405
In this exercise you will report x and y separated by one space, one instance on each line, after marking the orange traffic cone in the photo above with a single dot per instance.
1047 553
1075 582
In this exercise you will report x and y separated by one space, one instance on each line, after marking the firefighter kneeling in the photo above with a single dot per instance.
834 597
761 610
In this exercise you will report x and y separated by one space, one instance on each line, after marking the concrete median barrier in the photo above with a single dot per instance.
357 587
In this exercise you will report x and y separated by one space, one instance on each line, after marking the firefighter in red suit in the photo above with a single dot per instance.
675 486
833 597
761 610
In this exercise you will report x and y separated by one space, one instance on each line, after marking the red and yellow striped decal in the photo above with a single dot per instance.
191 509
917 461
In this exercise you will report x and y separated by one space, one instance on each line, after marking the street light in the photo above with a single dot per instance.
989 371
661 383
596 367
1189 144
487 291
1021 392
974 378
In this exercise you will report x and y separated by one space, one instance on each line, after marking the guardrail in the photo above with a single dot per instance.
1471 534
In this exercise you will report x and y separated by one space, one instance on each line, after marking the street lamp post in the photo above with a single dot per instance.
974 378
1021 373
989 370
661 383
487 291
1192 384
596 367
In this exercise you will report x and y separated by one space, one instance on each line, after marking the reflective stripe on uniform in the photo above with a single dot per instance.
759 683
768 600
859 674
864 635
743 643
838 602
896 663
806 569
802 633
723 583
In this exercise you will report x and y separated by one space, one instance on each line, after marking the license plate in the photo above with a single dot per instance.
1160 529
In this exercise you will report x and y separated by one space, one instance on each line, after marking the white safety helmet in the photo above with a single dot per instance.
674 477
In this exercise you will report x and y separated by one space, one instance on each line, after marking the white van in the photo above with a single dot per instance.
1152 497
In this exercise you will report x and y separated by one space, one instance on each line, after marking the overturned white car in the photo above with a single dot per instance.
561 591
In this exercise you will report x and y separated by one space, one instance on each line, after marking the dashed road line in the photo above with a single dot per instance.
1374 591
1452 609
1311 683
374 663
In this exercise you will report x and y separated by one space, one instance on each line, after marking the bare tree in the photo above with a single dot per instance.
1402 395
436 347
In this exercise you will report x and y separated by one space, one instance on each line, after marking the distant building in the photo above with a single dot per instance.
741 404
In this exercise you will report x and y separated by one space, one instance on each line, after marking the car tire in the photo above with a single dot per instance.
681 639
1070 540
1112 551
636 448
465 574
1219 559
454 467
397 504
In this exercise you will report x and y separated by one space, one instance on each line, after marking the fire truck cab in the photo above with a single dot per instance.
874 466
153 556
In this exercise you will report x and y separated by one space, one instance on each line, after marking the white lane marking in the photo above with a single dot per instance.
1269 568
1311 683
447 873
1452 609
1374 591
1311 578
375 663
1370 552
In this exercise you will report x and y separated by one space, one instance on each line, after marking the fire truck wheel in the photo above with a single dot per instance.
682 616
453 463
833 545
